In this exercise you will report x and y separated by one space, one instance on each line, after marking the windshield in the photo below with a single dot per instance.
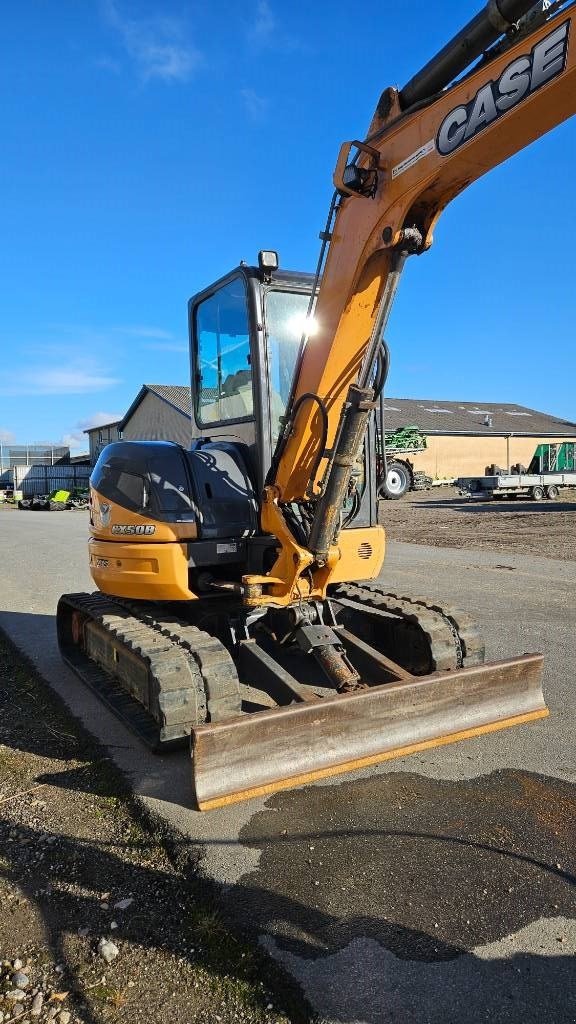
285 324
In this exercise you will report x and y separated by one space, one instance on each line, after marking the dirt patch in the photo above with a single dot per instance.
442 518
78 865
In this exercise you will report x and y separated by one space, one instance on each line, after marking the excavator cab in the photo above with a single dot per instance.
246 331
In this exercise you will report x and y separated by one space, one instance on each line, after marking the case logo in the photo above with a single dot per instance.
105 510
520 79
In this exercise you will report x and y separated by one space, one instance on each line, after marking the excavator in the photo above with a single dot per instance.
240 606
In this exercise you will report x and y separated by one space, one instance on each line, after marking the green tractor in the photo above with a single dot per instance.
396 473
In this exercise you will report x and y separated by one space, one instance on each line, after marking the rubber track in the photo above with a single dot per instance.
453 639
213 659
163 643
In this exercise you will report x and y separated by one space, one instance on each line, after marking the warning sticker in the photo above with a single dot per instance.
409 162
229 548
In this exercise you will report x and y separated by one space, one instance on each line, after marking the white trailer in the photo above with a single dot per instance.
505 485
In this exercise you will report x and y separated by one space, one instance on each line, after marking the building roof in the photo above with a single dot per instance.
430 415
176 395
433 416
101 426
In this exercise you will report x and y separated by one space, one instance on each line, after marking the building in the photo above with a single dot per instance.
99 437
465 437
12 455
160 412
462 437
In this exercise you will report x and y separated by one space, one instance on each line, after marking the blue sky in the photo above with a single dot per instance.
147 147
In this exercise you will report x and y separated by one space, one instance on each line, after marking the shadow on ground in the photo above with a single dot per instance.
72 846
401 900
527 986
378 894
512 507
73 886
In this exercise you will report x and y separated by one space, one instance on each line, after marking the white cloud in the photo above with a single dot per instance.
98 419
6 436
76 379
77 439
263 28
158 45
265 33
257 106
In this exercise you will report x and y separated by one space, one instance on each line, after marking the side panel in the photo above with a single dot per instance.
225 496
111 521
361 554
145 572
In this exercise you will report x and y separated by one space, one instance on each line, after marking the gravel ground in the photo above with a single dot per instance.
101 917
442 518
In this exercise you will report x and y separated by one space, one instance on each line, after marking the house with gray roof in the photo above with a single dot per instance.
100 436
160 412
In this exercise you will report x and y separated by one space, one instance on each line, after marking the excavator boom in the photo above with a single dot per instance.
423 148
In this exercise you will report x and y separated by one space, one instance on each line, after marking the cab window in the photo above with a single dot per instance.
224 373
285 323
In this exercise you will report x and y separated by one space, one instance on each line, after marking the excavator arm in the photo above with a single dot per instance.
425 145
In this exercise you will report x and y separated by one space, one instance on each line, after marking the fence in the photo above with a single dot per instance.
32 454
43 479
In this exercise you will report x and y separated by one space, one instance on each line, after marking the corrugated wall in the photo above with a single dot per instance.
450 457
155 420
43 479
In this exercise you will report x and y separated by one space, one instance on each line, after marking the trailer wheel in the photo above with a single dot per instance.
552 492
397 482
537 493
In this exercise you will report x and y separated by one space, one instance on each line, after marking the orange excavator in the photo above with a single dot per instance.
232 602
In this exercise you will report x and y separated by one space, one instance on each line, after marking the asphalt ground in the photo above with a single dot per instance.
439 887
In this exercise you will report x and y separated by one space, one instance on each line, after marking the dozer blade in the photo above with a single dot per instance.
290 746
